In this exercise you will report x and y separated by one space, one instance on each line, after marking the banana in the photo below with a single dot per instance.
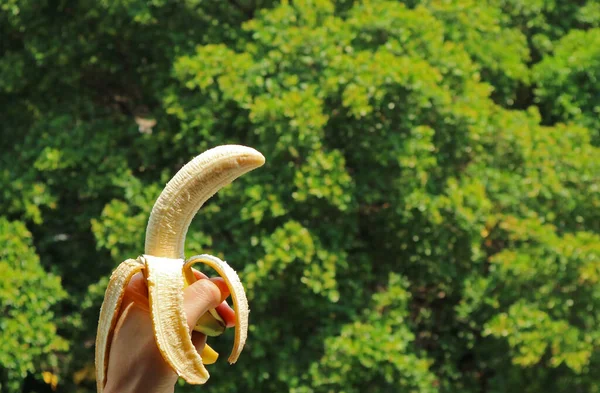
167 272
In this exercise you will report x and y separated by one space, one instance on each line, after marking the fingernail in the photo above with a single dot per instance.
219 282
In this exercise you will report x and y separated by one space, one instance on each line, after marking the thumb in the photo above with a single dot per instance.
198 298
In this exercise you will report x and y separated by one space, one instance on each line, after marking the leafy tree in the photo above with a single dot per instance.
423 223
567 80
28 339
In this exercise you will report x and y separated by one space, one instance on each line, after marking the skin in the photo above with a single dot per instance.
136 364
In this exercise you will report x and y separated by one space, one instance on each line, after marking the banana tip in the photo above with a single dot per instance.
255 159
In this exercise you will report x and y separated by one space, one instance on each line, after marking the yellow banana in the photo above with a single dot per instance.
167 273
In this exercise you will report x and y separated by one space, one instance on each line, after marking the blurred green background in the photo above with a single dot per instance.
428 219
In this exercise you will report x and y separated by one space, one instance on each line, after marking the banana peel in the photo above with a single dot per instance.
167 272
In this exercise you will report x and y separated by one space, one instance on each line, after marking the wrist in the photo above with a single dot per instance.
142 383
138 389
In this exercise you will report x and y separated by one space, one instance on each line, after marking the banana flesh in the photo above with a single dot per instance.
167 272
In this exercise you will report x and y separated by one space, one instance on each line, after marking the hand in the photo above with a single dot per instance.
135 363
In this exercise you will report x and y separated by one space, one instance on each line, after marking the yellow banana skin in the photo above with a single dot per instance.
167 272
210 324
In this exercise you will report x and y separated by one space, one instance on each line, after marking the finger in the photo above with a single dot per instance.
199 275
218 281
199 340
133 297
209 356
227 314
138 284
198 298
136 292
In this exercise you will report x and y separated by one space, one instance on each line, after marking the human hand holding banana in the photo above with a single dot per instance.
178 299
136 364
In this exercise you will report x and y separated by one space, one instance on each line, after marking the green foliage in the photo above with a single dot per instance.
424 221
28 338
378 347
546 21
568 80
485 30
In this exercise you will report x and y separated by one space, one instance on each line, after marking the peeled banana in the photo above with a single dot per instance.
167 272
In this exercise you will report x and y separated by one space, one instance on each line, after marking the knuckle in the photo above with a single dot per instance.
206 291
